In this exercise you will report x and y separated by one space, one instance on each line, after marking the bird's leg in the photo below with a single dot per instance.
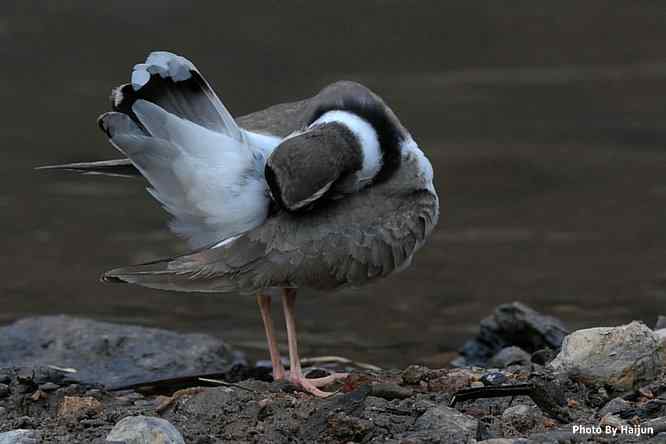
264 301
295 372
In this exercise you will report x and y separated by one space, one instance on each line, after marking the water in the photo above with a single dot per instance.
544 124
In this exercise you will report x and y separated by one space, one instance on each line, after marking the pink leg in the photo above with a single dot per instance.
264 301
295 372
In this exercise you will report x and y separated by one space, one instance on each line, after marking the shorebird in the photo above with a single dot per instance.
325 192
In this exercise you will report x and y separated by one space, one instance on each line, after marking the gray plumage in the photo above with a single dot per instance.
174 129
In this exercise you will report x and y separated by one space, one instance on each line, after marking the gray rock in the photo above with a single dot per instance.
443 425
613 406
556 437
20 436
661 322
620 357
106 353
504 441
145 430
509 356
512 324
4 390
521 419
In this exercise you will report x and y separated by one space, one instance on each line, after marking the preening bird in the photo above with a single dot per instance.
325 192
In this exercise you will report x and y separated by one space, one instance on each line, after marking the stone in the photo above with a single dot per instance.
442 424
618 357
613 406
661 323
20 436
511 324
450 380
414 374
106 353
613 421
504 441
510 356
494 378
49 387
4 390
521 419
144 430
78 407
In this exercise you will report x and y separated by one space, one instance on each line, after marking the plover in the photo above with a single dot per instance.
325 192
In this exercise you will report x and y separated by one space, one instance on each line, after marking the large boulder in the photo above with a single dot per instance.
621 357
110 354
512 324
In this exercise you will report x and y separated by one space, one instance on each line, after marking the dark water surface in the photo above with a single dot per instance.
545 123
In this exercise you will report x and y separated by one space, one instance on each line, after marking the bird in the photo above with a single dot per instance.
326 192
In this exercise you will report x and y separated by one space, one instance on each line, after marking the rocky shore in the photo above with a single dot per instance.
523 379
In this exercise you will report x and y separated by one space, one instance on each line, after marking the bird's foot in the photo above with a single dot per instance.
311 385
307 385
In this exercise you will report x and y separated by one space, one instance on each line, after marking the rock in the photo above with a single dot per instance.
106 353
145 430
613 421
661 323
20 436
521 419
79 407
414 374
613 406
511 324
555 437
49 387
494 378
504 441
390 391
661 333
443 425
509 356
450 380
4 391
619 357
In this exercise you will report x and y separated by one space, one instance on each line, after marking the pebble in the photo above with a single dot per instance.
4 391
414 374
49 387
20 436
614 406
145 430
494 378
521 419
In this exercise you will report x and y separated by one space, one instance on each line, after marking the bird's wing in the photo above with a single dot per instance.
203 169
351 241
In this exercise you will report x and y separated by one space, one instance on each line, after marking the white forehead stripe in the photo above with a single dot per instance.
365 134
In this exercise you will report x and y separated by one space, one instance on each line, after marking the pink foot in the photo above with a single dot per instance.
306 384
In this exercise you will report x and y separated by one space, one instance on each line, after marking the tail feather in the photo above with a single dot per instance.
115 167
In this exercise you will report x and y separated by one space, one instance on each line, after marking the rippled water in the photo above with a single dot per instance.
545 126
